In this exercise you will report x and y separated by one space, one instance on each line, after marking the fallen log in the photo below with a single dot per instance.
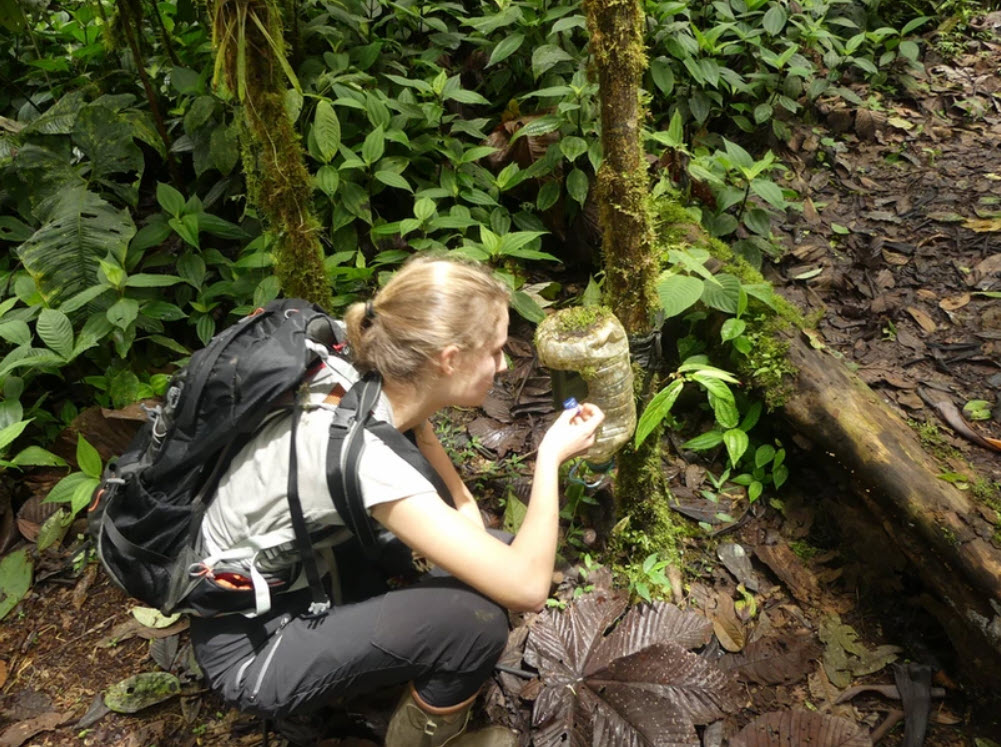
933 523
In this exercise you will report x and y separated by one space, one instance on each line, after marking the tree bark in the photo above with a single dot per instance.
935 525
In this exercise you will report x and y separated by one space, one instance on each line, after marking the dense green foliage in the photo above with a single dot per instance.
467 127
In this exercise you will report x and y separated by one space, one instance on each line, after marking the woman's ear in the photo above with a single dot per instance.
448 359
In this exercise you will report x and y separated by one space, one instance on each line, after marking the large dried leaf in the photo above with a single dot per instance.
637 685
773 661
794 728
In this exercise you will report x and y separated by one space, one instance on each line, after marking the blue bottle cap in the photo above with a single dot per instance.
570 403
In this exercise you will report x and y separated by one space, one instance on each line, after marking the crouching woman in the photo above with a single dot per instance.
435 334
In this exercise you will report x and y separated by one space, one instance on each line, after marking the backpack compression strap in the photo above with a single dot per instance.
344 449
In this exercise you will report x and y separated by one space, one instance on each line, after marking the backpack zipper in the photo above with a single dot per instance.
286 619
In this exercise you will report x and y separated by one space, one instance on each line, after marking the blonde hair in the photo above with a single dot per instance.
429 304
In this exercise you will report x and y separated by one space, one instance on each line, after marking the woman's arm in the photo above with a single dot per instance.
434 452
516 575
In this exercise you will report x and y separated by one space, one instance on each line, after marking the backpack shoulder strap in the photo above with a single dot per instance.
344 449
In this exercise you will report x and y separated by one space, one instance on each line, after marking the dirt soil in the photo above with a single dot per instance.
898 245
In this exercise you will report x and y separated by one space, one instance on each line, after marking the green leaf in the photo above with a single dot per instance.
424 208
578 186
224 148
78 230
527 307
763 455
328 179
36 456
326 130
545 57
141 691
708 440
657 410
144 280
392 179
754 491
779 475
770 192
65 490
9 433
774 20
678 293
732 329
15 579
724 294
541 126
87 457
151 618
191 268
505 48
53 530
374 146
170 199
465 97
736 442
187 228
123 312
572 147
15 332
205 328
549 194
201 109
56 331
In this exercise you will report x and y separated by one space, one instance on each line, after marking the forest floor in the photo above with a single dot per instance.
899 238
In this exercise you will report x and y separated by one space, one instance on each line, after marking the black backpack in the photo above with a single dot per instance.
146 514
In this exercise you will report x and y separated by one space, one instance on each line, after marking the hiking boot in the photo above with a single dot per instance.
417 724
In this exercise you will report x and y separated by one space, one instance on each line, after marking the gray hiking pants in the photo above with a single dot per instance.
439 633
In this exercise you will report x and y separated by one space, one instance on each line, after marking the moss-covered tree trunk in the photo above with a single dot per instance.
628 246
249 39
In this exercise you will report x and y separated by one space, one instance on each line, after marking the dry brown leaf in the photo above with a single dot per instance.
810 214
924 321
989 266
895 259
801 728
3 673
983 225
729 630
785 564
954 302
21 732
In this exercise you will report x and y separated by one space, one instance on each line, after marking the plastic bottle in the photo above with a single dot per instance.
591 342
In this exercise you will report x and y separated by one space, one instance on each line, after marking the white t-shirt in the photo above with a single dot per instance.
251 507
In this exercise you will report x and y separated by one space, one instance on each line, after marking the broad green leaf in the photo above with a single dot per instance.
162 310
187 228
763 455
514 513
107 139
170 199
549 194
11 432
15 579
466 97
775 19
191 267
53 530
392 179
572 147
770 192
736 443
476 153
779 475
78 230
527 307
64 490
424 208
578 186
201 109
141 691
657 410
505 48
205 328
15 332
56 331
327 130
754 491
678 293
541 126
123 312
732 329
224 148
170 344
328 179
708 440
82 298
545 57
36 456
87 457
374 146
724 294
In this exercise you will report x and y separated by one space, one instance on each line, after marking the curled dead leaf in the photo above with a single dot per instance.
924 321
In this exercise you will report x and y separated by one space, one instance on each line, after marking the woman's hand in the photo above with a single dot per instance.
573 432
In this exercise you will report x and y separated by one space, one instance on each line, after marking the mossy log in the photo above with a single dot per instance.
935 525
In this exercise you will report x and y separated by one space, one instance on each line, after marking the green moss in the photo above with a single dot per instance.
579 320
803 549
932 440
767 364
